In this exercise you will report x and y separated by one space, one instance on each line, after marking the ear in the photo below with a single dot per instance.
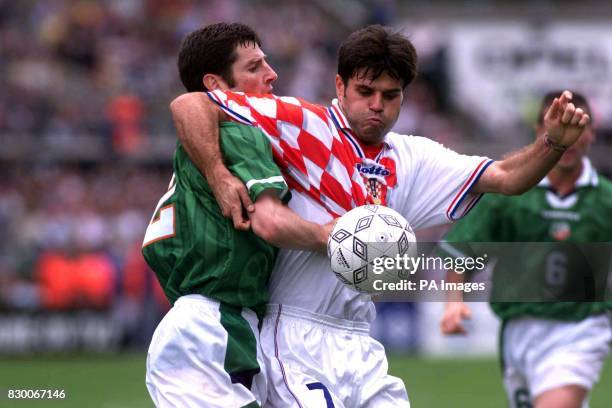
213 82
340 89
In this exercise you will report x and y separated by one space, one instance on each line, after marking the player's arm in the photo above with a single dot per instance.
196 120
455 310
520 171
481 225
281 227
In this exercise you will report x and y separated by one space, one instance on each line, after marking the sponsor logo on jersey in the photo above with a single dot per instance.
373 170
379 176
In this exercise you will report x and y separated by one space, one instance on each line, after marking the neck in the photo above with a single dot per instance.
564 180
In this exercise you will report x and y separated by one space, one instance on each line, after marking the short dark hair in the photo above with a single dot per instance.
578 99
212 50
377 50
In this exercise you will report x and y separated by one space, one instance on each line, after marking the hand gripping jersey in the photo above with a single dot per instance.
540 215
192 248
328 171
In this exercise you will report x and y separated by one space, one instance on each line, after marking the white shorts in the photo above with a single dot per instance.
319 361
204 354
540 354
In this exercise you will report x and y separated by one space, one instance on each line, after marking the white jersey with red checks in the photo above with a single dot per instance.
424 181
315 158
432 188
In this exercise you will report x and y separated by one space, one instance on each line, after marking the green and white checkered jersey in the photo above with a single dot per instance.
192 248
540 215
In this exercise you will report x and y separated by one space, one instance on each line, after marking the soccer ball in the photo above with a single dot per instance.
360 237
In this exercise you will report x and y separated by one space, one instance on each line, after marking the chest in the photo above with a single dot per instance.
542 216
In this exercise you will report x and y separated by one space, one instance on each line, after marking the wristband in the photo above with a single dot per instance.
557 147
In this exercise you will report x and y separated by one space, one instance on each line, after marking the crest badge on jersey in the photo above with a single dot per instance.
560 231
379 177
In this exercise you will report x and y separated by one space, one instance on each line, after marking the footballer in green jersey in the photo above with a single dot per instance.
206 351
551 352
541 216
193 249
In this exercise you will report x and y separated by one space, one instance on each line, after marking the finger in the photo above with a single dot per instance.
243 225
568 113
445 325
553 111
457 325
245 199
565 97
240 223
456 328
466 313
584 120
576 117
448 327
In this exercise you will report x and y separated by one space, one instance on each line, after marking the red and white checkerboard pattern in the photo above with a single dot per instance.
315 158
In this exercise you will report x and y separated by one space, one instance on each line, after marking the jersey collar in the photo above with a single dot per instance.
588 176
342 124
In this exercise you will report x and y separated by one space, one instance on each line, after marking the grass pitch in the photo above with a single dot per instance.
117 381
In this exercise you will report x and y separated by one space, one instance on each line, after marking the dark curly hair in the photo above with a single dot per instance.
376 50
212 50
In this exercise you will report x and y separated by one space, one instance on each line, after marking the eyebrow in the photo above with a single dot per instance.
370 88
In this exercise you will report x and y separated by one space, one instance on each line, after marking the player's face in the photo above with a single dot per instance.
251 72
371 107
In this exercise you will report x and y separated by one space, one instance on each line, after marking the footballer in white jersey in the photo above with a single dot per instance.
315 336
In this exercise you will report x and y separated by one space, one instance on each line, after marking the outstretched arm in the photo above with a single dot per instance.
520 171
281 227
196 119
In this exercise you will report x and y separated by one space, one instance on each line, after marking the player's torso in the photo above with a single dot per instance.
304 279
553 267
540 215
201 252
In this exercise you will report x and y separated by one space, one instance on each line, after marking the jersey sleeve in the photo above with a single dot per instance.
443 181
248 156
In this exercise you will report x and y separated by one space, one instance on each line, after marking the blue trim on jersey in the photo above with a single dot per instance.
451 215
356 146
229 111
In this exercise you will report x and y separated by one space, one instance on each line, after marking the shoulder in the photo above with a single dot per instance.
605 189
411 142
605 184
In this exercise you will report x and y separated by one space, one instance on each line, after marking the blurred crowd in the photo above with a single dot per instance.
78 69
72 237
107 69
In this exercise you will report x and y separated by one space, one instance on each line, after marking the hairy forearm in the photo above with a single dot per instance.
281 227
197 119
519 171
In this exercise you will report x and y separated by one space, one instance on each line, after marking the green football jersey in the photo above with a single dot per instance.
192 248
540 215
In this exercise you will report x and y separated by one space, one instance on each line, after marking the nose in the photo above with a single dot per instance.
376 102
270 75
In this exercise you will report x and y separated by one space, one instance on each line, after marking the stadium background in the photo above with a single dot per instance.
86 141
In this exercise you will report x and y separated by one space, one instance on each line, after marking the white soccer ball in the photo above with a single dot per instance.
360 237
